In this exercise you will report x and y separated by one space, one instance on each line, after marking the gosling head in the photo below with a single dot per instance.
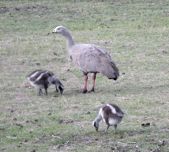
96 125
55 81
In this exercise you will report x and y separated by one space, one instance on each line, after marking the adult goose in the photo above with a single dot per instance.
89 58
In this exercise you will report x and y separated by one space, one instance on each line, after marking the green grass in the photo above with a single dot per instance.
135 33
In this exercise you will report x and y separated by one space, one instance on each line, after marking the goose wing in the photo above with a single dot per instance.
91 58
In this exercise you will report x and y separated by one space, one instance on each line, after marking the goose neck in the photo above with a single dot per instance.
70 41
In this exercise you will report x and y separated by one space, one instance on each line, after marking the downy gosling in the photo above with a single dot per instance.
111 114
42 79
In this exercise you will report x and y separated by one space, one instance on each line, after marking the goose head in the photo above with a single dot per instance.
60 30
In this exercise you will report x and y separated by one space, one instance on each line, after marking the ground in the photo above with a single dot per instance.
134 32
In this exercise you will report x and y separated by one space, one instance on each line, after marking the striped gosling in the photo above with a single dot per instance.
111 114
42 79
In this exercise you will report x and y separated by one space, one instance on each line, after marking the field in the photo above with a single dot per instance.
134 32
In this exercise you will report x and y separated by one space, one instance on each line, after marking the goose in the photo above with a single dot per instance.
42 79
111 114
89 58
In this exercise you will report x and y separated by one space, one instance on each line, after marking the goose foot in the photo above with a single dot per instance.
84 91
92 90
40 92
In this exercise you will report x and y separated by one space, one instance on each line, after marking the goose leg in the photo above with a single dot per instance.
115 127
85 83
94 82
107 128
57 89
40 92
46 87
46 91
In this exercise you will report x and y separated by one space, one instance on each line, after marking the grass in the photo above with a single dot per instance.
135 33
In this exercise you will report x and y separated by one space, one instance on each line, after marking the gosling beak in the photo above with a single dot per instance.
94 124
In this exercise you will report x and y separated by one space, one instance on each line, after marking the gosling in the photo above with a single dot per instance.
111 114
42 79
